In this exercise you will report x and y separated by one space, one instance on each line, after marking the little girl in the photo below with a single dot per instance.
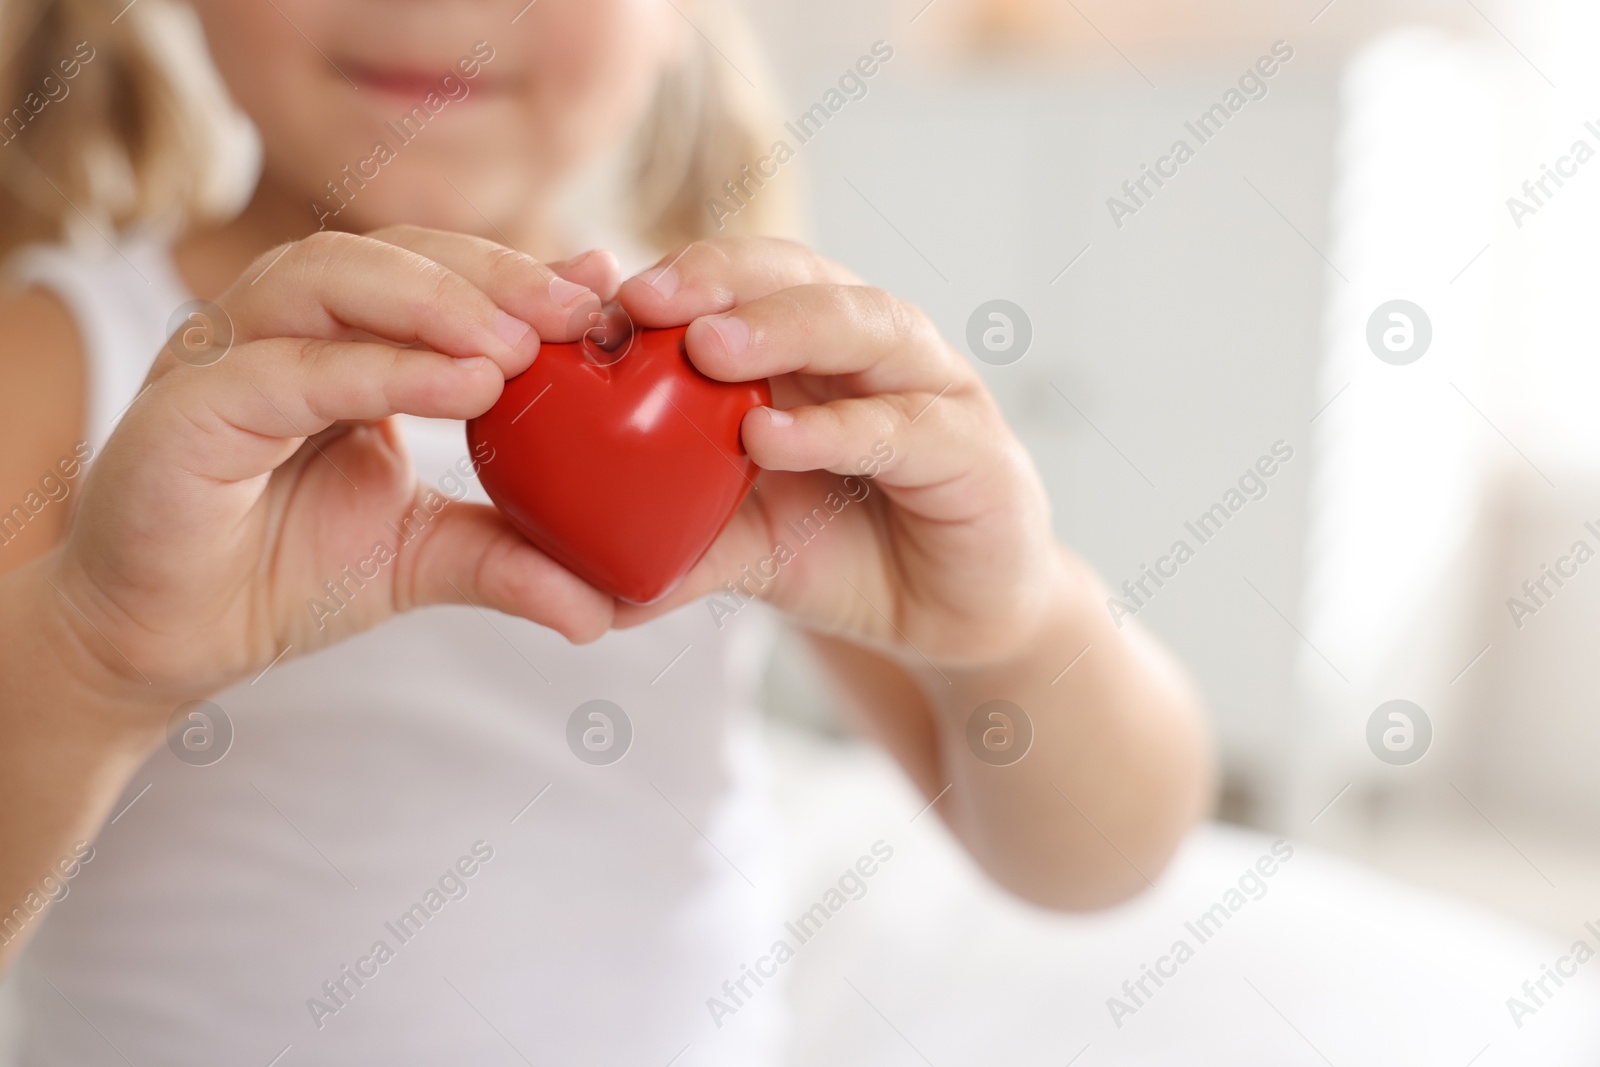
363 835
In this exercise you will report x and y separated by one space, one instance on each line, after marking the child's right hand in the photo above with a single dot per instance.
230 493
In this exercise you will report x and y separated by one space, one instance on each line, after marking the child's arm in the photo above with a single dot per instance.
1118 770
939 584
209 519
59 769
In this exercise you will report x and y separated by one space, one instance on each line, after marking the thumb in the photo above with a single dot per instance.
469 554
596 270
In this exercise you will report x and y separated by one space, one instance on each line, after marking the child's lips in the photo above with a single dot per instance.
414 84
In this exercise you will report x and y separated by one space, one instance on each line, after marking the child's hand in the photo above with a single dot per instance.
941 592
951 552
230 493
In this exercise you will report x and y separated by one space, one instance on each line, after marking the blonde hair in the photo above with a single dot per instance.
141 145
712 116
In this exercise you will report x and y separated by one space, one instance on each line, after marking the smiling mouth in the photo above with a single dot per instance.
412 84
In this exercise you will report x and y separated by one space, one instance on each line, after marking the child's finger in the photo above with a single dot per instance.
557 307
720 273
907 440
469 555
885 344
229 421
333 284
598 269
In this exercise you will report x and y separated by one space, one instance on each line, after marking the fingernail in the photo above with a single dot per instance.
735 334
511 330
584 257
470 363
780 418
666 282
568 294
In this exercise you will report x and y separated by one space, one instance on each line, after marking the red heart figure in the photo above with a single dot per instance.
622 463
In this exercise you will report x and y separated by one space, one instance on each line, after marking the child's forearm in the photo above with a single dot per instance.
1118 769
68 751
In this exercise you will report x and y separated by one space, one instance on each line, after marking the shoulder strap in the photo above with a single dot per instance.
121 302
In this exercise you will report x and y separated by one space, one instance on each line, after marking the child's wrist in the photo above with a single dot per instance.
57 662
1056 618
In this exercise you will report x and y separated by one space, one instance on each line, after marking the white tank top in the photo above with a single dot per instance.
233 913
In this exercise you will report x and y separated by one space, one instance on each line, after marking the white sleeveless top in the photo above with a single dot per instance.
230 911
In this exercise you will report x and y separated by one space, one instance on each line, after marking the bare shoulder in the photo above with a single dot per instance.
42 417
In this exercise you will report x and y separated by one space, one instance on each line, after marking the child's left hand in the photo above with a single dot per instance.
951 551
938 588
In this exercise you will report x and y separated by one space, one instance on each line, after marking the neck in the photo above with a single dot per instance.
210 259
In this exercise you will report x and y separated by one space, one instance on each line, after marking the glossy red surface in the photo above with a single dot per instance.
623 473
